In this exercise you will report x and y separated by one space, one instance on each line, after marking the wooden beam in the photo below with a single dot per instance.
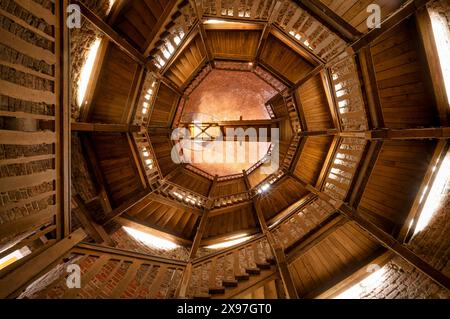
163 19
96 231
100 127
371 87
396 18
17 279
409 134
137 160
105 28
97 173
328 162
62 119
329 132
291 291
330 19
370 156
132 207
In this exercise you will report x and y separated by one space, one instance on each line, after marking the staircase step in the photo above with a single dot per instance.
202 296
263 265
217 290
242 277
229 283
253 271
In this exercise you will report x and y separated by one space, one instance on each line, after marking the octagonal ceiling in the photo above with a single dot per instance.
223 96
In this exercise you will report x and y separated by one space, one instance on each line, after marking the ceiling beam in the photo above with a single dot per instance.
158 28
383 237
100 127
387 134
131 207
105 28
396 18
96 171
330 19
94 230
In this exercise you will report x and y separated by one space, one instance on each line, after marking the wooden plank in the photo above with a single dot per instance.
18 278
330 19
23 181
27 223
100 127
111 33
23 93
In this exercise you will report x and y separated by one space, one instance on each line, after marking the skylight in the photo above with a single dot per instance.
441 34
364 286
433 200
230 243
151 240
86 71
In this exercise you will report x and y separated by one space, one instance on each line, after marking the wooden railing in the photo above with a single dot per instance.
348 95
269 79
146 100
181 194
300 26
300 222
214 271
31 179
181 23
232 199
113 273
148 159
258 10
343 167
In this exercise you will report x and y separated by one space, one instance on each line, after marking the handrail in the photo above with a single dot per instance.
225 251
126 253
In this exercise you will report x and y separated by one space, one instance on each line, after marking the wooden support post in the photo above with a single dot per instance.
97 172
331 19
62 120
99 127
291 291
134 53
12 283
196 243
96 231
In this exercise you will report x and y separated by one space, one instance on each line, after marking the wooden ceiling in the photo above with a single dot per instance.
380 177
